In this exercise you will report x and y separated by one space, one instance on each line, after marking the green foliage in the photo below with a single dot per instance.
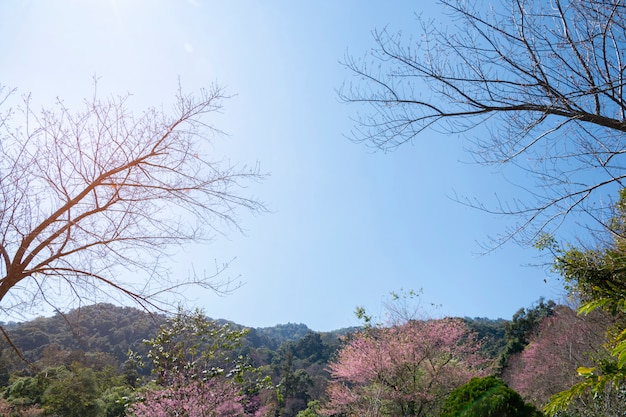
73 393
486 397
299 368
4 370
29 390
491 334
520 328
273 337
309 349
116 400
291 354
598 278
96 329
196 346
312 410
292 390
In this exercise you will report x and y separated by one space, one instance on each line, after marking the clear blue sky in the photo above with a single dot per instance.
347 225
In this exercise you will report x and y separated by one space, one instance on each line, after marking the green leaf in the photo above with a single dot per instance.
620 352
592 305
561 400
584 371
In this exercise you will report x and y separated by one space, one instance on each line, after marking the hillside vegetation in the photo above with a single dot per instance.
94 343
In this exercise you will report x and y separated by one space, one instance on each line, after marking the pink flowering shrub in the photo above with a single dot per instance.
405 370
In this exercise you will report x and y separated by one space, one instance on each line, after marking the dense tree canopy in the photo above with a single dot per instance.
486 397
232 363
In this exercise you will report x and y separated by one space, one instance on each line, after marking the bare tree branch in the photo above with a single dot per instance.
546 78
92 199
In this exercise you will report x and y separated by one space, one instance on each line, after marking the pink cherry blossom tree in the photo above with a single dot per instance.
407 370
564 342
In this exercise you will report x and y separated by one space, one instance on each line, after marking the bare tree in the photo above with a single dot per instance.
93 202
545 79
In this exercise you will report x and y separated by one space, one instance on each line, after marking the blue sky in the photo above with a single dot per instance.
346 225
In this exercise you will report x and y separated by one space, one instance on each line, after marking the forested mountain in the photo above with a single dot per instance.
97 328
110 332
93 343
490 332
273 337
114 330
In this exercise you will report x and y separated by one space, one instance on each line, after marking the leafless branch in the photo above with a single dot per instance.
546 79
86 195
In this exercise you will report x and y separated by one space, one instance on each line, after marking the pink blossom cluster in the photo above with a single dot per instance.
562 343
406 370
216 397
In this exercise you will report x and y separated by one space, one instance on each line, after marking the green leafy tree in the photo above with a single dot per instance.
84 335
292 391
131 369
116 400
491 333
193 345
4 369
73 393
311 348
198 371
299 368
68 392
521 327
29 390
10 410
597 276
486 397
